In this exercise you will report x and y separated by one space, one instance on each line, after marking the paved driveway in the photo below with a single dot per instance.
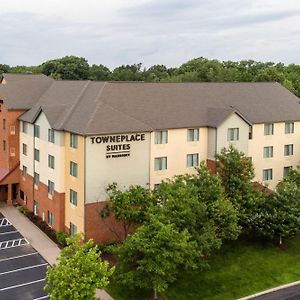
22 268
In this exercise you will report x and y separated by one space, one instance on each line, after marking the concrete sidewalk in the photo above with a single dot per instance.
38 239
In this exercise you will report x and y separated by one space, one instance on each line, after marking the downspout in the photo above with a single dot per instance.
33 168
216 141
84 184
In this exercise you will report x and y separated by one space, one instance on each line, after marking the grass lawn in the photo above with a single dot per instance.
239 269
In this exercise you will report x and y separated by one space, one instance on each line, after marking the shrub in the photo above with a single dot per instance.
61 237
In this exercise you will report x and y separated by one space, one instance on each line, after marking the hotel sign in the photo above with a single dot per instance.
118 145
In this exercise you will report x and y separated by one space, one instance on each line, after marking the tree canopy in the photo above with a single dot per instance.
78 273
196 70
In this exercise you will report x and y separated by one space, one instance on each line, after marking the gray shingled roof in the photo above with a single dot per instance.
22 91
87 107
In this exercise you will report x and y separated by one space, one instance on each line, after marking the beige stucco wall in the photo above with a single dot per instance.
233 121
101 171
176 151
74 214
277 140
57 174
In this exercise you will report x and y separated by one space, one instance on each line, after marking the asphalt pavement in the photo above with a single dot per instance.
22 268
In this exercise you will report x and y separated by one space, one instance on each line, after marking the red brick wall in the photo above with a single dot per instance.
211 165
56 205
12 140
98 229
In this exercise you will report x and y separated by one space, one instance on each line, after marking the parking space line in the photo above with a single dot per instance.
8 232
44 297
4 222
19 256
13 243
22 284
22 269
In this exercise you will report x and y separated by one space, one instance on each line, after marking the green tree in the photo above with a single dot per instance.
4 68
128 73
129 207
99 72
278 216
68 67
154 255
79 272
236 172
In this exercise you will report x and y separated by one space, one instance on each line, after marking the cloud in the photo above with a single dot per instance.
115 32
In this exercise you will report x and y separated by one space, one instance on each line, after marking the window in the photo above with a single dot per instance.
192 135
36 178
12 151
289 127
51 138
35 207
73 140
22 195
50 187
4 145
24 127
73 169
268 151
73 229
156 186
250 132
50 218
286 171
192 160
233 134
12 129
269 129
267 174
4 124
36 154
24 172
288 149
161 137
24 149
160 163
51 161
36 130
73 197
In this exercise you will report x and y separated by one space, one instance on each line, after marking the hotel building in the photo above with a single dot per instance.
79 136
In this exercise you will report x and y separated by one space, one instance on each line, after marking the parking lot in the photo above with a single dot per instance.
22 268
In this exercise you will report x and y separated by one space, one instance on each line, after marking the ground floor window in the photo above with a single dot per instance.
35 208
160 163
73 229
286 171
50 218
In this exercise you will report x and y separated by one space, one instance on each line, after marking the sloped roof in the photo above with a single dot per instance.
22 91
89 107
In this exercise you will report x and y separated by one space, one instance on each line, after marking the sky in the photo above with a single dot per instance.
168 32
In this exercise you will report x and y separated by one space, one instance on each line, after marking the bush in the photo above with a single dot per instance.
61 237
23 210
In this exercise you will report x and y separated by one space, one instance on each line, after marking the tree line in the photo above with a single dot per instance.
196 70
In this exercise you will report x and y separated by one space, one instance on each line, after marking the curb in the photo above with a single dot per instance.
270 290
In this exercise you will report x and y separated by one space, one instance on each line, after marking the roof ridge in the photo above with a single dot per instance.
67 115
97 106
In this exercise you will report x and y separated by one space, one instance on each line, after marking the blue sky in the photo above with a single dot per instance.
169 32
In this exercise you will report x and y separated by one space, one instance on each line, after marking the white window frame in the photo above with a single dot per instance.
73 140
160 163
267 174
51 187
51 135
192 160
36 131
51 161
289 150
73 197
286 170
268 128
193 134
161 137
233 134
268 152
289 127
